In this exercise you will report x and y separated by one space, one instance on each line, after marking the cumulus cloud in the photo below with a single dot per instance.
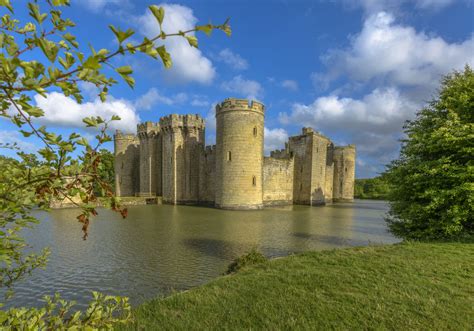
189 64
373 122
152 97
245 88
290 85
382 110
61 110
232 59
397 54
274 139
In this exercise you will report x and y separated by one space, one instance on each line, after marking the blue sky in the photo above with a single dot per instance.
354 70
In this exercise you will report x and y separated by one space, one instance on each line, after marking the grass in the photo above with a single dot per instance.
403 286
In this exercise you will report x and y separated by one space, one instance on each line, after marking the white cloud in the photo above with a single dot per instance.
232 59
242 87
153 97
290 85
64 111
14 137
97 6
274 139
397 54
383 110
189 64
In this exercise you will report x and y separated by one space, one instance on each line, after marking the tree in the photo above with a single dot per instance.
105 171
38 57
432 182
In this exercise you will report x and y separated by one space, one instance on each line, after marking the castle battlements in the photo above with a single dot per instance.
232 104
124 136
147 128
182 121
280 154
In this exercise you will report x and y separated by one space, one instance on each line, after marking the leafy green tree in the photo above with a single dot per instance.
38 57
372 188
432 182
106 171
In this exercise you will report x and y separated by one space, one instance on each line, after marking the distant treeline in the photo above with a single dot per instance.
371 188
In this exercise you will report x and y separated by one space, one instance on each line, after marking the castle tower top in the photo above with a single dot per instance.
148 128
181 121
232 104
124 136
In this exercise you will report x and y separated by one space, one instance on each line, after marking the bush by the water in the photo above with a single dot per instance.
432 183
371 188
248 259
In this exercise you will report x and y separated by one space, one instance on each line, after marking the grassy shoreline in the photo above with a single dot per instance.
401 286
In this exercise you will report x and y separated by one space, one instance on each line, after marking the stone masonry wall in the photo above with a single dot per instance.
239 154
300 147
344 173
150 159
126 164
183 141
207 176
278 181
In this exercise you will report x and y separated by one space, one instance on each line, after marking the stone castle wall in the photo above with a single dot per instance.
278 181
150 158
169 159
126 164
182 140
344 173
239 154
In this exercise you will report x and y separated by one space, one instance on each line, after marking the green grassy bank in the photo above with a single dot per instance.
404 286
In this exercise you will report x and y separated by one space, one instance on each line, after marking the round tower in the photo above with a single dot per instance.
344 173
239 154
150 159
126 150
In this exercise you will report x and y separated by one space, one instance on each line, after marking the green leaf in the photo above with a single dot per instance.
158 12
49 48
207 29
92 62
90 121
115 118
34 111
35 13
165 56
125 70
121 35
61 2
192 40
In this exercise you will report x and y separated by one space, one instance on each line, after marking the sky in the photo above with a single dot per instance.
353 70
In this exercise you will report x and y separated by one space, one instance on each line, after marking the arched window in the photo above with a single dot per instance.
229 156
254 181
255 131
345 169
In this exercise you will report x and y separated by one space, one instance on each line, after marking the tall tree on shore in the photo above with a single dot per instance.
432 183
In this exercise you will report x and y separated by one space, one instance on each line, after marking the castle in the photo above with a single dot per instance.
170 159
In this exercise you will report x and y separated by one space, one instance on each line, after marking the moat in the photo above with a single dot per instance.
158 249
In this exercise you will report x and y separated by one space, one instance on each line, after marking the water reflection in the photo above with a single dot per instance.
159 248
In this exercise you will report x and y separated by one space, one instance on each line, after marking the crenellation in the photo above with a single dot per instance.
169 158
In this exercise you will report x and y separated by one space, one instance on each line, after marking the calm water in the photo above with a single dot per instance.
161 248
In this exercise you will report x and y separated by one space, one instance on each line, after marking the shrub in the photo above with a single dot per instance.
102 314
251 258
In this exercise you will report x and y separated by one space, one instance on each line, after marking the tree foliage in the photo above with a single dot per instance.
37 57
432 182
372 188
